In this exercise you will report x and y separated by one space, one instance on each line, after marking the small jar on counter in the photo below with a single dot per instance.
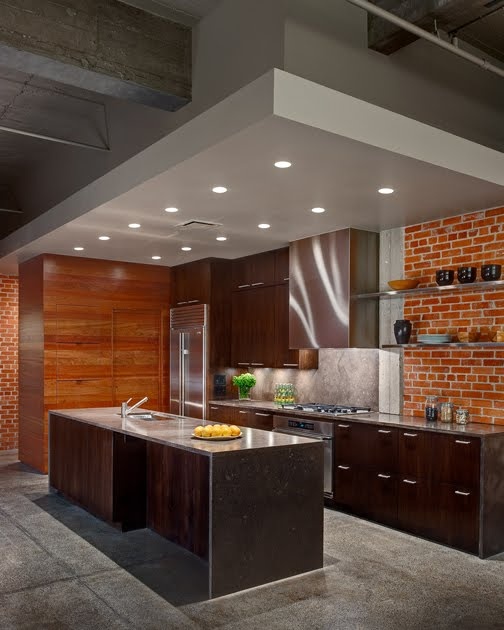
446 412
431 408
462 416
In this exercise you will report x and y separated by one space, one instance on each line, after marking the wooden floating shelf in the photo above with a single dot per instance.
471 286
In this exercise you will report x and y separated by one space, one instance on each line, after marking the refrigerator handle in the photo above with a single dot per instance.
183 352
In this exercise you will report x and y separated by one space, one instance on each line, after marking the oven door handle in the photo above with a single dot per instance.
314 436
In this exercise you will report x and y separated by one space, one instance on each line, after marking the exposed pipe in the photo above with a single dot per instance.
420 32
39 136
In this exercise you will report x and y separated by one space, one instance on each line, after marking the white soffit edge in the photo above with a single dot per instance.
318 106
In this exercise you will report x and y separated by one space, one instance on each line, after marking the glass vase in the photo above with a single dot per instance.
244 393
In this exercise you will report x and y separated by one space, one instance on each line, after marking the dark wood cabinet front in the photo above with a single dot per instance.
253 327
253 271
382 448
350 443
282 265
414 453
191 283
458 524
457 459
382 503
350 488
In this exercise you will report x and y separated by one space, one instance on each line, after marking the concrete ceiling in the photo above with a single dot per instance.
187 12
486 33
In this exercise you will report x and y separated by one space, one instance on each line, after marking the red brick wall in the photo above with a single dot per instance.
8 362
471 376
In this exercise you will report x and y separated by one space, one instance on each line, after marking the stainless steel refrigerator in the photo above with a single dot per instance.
188 360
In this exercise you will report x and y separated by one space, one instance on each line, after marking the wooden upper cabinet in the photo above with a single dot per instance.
282 265
253 327
191 283
253 271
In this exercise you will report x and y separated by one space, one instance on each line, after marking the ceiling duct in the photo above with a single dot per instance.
197 225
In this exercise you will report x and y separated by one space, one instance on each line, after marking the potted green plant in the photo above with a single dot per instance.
244 382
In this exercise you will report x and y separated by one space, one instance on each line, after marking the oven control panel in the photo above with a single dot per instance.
301 424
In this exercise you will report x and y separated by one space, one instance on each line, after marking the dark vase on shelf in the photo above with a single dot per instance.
402 330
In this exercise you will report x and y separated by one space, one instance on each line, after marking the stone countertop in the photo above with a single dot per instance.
473 428
176 431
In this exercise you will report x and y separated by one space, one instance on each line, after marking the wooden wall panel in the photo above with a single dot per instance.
32 428
66 308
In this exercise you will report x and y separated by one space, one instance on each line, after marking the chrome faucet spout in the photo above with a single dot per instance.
125 410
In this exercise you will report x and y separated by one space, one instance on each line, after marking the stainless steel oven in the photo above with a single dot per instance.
316 430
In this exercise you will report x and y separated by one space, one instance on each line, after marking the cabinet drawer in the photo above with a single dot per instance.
260 420
222 415
382 448
458 524
350 488
415 510
382 503
414 454
457 459
350 443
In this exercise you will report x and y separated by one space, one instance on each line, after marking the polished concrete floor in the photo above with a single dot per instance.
62 568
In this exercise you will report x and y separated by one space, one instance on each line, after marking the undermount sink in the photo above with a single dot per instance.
142 416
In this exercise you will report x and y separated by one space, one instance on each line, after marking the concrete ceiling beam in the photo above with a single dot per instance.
100 45
449 15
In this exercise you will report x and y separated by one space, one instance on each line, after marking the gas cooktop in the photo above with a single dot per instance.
321 408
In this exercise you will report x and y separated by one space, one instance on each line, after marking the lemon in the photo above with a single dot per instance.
199 431
226 431
207 431
235 430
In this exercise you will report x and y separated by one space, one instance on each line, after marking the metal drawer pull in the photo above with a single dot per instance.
256 284
240 411
464 494
383 431
262 414
181 302
214 408
344 426
285 279
243 286
462 442
410 434
243 363
290 364
344 467
382 476
413 483
192 301
259 364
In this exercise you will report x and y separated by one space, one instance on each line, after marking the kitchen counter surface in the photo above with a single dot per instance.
473 428
176 431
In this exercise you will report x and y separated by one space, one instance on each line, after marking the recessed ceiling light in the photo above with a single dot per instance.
318 210
134 225
385 191
264 226
79 249
219 189
283 164
171 209
186 249
104 238
156 257
221 238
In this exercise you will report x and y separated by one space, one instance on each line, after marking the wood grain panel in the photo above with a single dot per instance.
65 300
32 428
178 496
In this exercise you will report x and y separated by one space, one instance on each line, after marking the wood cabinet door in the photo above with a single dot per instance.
458 522
350 489
414 454
253 327
456 459
415 511
191 283
137 368
178 289
282 265
382 448
284 357
260 420
82 323
253 271
83 361
350 443
222 415
382 497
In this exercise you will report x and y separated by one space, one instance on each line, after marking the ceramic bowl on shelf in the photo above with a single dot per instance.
435 338
466 274
445 277
491 272
403 285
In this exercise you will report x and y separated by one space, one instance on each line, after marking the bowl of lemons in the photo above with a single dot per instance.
217 432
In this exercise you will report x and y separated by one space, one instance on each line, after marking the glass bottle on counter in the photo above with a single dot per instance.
431 408
446 412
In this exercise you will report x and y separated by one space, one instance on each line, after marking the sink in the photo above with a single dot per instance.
142 416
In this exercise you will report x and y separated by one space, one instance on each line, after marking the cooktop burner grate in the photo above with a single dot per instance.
323 408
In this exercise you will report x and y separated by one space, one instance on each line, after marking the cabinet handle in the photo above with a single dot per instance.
266 415
241 411
243 363
256 284
290 364
462 442
383 431
257 364
344 426
410 434
286 279
192 301
344 467
464 494
413 483
243 286
180 303
382 476
214 408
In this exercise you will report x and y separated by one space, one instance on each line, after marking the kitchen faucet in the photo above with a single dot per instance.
125 410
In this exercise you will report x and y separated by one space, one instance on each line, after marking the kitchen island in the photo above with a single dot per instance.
252 507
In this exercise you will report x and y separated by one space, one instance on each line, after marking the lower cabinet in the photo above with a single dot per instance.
382 497
241 417
458 524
